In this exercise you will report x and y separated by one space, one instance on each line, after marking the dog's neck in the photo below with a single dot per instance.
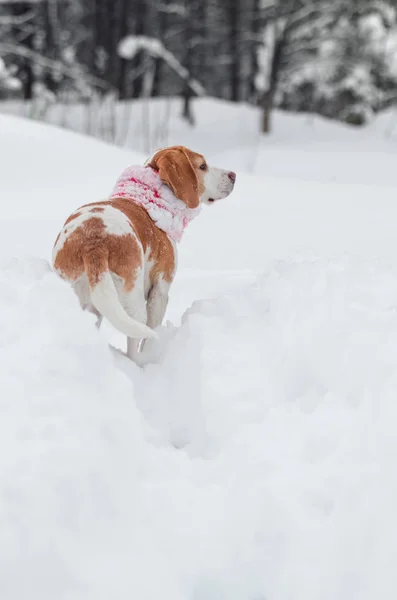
143 186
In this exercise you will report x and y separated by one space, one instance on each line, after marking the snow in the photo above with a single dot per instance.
130 45
301 147
47 173
7 81
254 459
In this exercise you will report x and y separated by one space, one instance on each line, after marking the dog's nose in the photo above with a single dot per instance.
232 175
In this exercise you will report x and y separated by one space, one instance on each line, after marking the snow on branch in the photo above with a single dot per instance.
381 8
48 63
132 44
7 80
20 2
16 20
267 5
172 9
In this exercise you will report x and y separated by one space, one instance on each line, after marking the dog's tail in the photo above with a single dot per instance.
105 298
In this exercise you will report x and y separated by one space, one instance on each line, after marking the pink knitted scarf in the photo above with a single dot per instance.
143 186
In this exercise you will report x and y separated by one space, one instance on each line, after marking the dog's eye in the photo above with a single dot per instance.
203 167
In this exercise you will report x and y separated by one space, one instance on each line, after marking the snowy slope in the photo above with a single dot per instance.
45 173
255 461
304 147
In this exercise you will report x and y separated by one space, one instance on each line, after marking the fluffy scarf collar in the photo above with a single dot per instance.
143 186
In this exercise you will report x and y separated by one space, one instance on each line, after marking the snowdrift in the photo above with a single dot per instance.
256 460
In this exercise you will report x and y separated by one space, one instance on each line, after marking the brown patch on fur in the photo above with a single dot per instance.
97 209
92 250
179 168
153 240
197 160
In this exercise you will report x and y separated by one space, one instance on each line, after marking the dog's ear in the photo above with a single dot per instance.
176 171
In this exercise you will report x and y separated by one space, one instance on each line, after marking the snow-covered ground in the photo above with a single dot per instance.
302 147
255 460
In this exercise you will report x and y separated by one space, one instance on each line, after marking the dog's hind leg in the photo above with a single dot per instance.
157 303
82 291
134 304
156 307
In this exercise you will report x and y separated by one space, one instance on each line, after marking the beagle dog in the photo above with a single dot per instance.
120 255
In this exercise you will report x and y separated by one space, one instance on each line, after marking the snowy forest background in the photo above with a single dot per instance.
335 58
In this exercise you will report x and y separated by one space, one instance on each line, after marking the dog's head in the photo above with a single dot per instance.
189 176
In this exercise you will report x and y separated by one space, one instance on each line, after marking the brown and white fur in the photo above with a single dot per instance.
120 264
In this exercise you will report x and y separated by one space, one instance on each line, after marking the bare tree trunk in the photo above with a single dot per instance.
28 79
162 19
187 112
98 36
29 82
139 60
268 96
255 29
267 105
123 64
234 51
187 94
201 52
52 40
117 17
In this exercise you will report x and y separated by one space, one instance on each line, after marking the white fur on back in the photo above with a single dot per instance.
115 221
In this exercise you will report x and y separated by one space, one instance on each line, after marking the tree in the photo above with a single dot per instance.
360 55
234 18
292 35
254 38
337 58
194 35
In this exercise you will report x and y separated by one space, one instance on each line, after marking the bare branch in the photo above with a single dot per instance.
296 18
301 46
